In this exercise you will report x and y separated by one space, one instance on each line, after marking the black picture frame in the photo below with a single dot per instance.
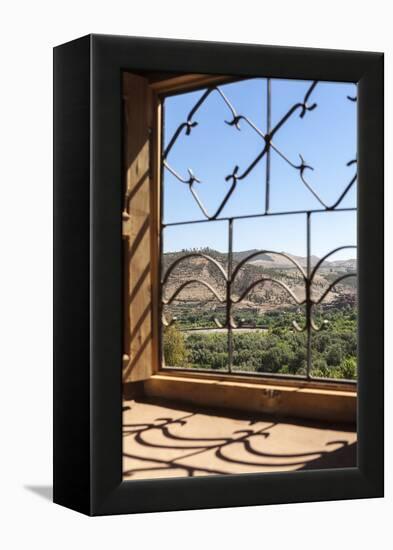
88 275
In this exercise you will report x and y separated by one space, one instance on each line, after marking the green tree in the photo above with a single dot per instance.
334 355
348 368
320 368
175 352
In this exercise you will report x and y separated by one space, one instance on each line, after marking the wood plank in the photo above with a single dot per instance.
189 82
141 217
155 196
294 401
137 359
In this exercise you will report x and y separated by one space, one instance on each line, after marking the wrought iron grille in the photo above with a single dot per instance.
230 274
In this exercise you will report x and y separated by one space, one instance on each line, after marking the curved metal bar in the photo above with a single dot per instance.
321 260
249 169
235 178
191 255
238 118
264 136
348 187
230 106
218 323
173 139
309 187
334 283
165 321
314 326
254 254
298 327
199 203
191 179
229 277
281 154
303 166
312 323
231 323
301 105
200 101
307 97
267 139
189 124
264 280
189 282
220 208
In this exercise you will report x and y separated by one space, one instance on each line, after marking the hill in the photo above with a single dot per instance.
262 298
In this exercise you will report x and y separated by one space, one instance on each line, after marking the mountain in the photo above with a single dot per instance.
262 297
268 260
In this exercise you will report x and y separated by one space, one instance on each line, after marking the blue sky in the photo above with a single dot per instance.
326 138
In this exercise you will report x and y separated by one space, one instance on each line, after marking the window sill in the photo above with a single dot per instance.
291 398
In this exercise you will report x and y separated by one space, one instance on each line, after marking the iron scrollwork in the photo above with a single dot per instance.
229 275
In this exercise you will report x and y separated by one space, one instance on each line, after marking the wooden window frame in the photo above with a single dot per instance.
142 355
158 87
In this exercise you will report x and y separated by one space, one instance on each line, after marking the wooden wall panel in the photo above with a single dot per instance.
137 231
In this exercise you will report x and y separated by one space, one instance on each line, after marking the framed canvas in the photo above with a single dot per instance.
218 275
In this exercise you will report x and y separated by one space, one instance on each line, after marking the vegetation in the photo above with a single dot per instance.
174 347
268 342
276 349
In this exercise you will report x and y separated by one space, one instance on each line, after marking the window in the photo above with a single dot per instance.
240 227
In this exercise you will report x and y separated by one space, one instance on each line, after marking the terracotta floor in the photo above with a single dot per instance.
162 439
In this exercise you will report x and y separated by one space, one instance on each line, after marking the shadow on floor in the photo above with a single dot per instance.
162 438
252 418
44 491
344 457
